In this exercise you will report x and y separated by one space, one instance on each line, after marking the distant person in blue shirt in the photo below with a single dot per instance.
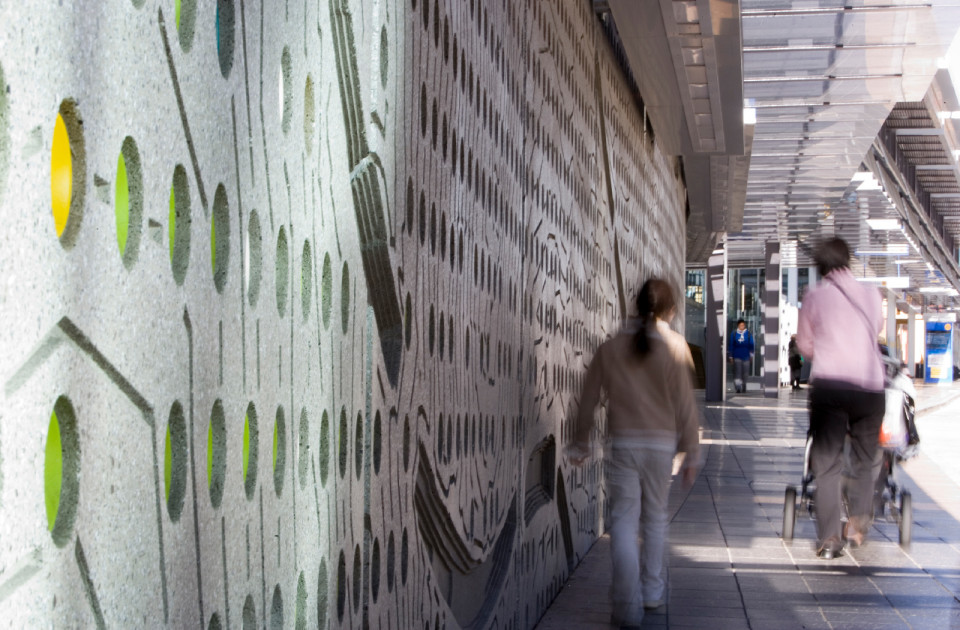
740 352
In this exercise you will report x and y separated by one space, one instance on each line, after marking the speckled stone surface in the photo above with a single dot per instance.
327 377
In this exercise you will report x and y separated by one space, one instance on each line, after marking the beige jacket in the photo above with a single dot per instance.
650 400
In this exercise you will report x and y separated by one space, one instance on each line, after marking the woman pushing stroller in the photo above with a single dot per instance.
838 327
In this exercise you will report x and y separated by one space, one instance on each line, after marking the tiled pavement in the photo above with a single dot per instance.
728 567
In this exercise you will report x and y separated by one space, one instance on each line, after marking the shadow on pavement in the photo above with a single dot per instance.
728 567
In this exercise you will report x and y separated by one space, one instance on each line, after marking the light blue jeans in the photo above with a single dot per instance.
639 483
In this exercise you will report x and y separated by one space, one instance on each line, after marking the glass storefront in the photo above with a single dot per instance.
695 322
745 301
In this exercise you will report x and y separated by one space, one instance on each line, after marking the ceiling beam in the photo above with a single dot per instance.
915 131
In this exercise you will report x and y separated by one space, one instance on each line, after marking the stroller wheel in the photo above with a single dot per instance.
906 518
789 512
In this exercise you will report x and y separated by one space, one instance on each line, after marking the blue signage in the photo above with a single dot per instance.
939 342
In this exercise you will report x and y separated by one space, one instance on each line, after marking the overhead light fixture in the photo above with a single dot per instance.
907 261
939 290
749 116
884 224
867 181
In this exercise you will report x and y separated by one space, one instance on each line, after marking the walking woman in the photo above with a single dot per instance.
651 415
839 323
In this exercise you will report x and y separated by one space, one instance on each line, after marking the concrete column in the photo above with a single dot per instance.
793 279
771 320
714 349
891 320
813 276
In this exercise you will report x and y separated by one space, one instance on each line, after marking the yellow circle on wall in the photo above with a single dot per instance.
61 175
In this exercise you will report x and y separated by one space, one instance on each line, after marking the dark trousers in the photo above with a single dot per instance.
835 410
795 378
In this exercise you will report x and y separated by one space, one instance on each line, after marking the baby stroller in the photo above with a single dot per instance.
898 441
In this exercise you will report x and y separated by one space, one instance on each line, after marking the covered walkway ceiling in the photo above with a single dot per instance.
820 78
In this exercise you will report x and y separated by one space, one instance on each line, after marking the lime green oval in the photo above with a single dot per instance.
122 207
53 471
61 472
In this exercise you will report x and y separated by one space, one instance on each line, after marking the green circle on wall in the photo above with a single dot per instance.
128 206
61 471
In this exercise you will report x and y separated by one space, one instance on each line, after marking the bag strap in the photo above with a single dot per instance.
863 315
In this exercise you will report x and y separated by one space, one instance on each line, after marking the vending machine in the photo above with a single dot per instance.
939 354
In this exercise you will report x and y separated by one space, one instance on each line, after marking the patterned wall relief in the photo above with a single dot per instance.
4 135
297 298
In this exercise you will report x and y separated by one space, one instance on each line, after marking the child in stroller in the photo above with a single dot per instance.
899 441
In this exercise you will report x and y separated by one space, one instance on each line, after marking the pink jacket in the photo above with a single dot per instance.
833 332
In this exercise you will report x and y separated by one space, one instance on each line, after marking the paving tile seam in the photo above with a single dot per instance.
806 583
927 572
906 554
733 568
805 573
797 567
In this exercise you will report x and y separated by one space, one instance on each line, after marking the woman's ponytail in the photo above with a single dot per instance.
655 301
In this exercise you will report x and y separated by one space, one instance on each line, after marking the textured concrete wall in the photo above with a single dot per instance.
295 321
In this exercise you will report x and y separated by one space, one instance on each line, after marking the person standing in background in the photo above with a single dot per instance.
647 374
795 360
838 328
740 352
